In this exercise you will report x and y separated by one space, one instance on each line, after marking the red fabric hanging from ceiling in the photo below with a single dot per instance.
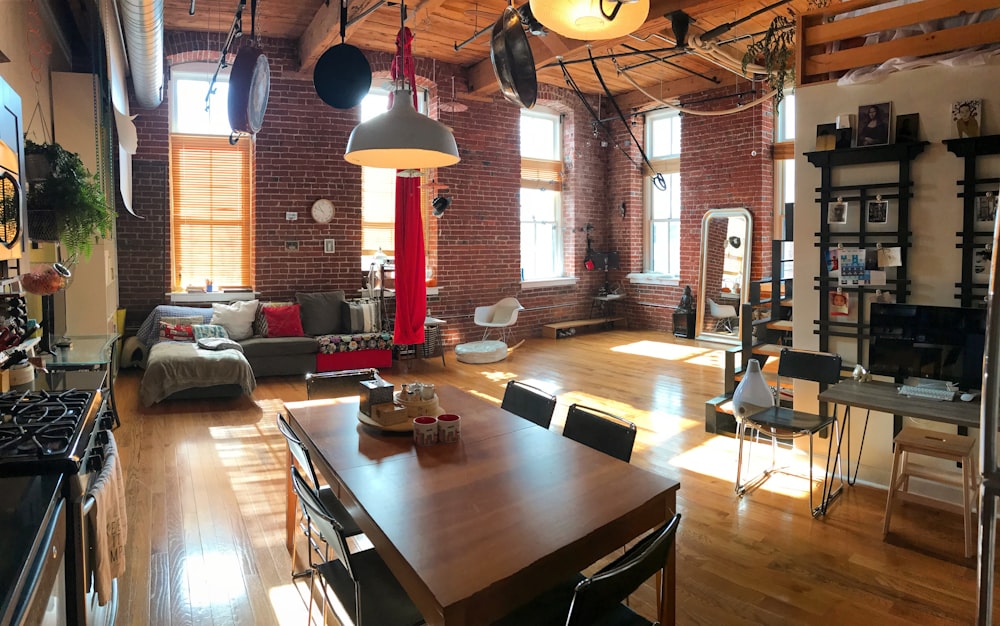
411 288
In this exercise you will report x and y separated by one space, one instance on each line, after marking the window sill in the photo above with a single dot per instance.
183 297
650 278
566 281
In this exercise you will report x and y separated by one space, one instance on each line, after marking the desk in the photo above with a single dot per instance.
474 529
97 353
605 305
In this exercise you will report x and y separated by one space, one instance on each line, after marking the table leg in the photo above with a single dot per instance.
290 504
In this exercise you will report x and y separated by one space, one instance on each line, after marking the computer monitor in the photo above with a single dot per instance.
936 343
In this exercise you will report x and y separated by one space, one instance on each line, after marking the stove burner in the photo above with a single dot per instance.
40 423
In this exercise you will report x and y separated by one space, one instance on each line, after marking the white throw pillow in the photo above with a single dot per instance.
236 318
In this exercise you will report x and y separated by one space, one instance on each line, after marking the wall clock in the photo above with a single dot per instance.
322 211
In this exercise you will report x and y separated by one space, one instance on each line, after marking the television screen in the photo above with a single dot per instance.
931 342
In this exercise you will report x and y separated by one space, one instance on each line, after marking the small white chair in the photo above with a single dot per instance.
500 316
724 314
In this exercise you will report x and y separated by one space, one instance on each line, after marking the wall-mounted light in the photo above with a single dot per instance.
440 205
591 19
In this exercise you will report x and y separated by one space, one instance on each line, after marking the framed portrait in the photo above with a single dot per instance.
837 213
907 127
878 211
981 258
873 124
986 208
967 117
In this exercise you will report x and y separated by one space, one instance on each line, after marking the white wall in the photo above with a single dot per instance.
934 264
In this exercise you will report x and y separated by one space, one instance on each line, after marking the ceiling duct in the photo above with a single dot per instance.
142 23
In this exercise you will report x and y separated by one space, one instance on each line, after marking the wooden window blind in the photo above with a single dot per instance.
211 211
541 174
378 211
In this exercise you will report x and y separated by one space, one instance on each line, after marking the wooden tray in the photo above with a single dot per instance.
402 427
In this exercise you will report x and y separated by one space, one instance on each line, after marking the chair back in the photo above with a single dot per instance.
819 367
607 588
721 310
600 430
299 451
529 402
337 384
505 311
329 529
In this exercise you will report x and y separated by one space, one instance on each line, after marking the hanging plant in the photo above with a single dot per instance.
67 197
775 51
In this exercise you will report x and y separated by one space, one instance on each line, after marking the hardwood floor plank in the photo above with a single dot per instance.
206 478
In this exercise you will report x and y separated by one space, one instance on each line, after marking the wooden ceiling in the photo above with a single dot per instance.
441 26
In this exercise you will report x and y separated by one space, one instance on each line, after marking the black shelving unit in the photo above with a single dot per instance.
971 239
834 236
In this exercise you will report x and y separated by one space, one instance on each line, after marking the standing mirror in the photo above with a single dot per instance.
725 273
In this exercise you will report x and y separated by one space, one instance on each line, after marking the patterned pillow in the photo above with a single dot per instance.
260 320
202 331
176 332
283 321
183 321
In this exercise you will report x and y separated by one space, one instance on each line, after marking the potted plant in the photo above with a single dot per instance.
775 52
65 201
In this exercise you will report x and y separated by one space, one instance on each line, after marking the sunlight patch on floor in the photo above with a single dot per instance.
665 351
289 604
212 578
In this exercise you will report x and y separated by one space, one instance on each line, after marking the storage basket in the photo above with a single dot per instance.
432 342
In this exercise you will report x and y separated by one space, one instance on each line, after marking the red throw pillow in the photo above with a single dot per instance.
283 321
176 332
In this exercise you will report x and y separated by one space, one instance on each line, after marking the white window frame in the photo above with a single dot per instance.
530 275
664 160
201 72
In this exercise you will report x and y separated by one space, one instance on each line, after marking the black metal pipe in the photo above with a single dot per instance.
674 65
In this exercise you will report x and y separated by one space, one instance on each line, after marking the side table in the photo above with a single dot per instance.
90 352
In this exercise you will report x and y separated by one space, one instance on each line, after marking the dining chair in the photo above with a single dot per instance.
598 599
529 402
323 493
783 422
600 430
361 581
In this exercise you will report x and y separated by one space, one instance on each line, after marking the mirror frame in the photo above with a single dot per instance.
702 302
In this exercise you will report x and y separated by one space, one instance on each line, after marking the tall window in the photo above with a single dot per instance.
211 205
541 191
663 206
784 164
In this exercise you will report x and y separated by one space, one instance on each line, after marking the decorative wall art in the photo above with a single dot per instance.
907 128
878 211
967 115
826 136
986 208
837 213
873 124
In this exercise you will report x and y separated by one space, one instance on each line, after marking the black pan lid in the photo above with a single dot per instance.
342 76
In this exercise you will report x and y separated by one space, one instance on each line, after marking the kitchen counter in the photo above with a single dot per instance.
26 502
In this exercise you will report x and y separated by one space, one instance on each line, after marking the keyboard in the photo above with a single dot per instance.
927 393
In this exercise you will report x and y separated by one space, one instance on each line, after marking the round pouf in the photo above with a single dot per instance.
481 352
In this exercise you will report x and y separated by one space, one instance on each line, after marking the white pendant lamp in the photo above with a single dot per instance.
402 139
591 19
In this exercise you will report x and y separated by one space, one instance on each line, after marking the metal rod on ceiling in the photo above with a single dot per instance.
674 65
477 35
753 92
360 16
602 57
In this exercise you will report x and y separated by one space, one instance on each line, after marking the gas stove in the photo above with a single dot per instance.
44 432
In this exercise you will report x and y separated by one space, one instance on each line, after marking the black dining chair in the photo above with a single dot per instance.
597 599
321 492
600 430
361 581
529 402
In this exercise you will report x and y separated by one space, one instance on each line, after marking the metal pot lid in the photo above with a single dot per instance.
512 60
342 76
249 88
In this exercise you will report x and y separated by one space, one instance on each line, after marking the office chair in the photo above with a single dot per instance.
500 317
781 422
529 402
724 314
601 431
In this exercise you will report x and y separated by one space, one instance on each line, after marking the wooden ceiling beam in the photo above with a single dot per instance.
324 31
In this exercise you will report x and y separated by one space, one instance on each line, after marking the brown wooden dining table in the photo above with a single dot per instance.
475 528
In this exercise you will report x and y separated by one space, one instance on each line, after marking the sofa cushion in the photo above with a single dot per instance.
330 344
278 346
321 312
260 321
149 331
236 317
283 321
204 331
176 332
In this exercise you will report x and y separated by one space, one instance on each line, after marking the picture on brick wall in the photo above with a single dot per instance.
837 213
967 115
873 124
878 211
986 208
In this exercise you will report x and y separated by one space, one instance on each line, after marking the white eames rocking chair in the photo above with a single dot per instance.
500 316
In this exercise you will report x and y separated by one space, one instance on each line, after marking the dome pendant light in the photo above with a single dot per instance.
401 138
591 19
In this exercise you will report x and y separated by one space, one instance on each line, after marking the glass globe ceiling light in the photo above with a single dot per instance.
402 139
591 19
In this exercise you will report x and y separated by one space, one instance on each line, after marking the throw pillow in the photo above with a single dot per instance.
202 331
237 318
184 321
321 312
260 321
175 332
283 321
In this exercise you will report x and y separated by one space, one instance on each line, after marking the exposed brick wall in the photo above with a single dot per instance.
474 247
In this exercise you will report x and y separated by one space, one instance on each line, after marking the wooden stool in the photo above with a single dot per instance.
940 445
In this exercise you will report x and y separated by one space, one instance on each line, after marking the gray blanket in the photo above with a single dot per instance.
175 366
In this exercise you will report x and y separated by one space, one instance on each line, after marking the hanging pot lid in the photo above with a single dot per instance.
249 87
512 60
342 76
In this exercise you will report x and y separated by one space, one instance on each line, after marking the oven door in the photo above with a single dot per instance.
43 600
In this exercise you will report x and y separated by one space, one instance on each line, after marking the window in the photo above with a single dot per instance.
211 204
541 195
784 164
663 206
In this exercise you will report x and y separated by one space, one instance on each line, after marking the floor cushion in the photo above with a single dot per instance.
489 351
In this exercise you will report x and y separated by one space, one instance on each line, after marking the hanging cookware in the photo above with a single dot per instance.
342 75
512 60
249 87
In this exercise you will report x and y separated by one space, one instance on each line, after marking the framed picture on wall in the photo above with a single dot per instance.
967 115
986 208
878 211
837 213
873 124
907 128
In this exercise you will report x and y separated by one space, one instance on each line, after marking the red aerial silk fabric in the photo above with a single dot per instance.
411 288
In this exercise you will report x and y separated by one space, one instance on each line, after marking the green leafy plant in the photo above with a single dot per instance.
775 51
72 194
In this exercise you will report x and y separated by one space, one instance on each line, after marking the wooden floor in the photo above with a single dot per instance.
205 489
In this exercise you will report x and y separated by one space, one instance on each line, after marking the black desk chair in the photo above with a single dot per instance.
362 582
529 402
780 422
584 601
600 430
